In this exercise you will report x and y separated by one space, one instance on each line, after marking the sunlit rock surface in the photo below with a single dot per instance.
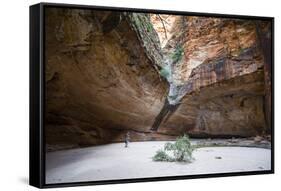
219 78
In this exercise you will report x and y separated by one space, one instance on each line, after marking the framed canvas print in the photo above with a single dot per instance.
122 95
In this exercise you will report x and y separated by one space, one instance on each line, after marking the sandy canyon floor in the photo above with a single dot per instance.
114 161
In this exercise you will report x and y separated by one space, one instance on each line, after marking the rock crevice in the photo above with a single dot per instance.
217 59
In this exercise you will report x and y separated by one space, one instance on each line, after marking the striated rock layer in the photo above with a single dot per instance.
218 82
103 77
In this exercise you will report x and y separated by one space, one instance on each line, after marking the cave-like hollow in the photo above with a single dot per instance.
156 76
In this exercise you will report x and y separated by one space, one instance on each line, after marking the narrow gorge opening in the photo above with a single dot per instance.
199 53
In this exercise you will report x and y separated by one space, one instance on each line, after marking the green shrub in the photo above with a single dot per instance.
149 27
178 54
181 151
141 21
161 156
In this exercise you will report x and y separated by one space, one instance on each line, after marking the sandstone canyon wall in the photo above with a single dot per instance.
103 77
218 82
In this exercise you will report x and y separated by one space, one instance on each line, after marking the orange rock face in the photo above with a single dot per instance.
219 80
100 79
103 77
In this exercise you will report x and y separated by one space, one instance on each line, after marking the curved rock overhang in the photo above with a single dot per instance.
103 77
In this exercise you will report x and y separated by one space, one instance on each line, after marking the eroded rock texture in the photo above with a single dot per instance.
102 77
219 80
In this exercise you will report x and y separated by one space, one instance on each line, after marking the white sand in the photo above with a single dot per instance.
113 161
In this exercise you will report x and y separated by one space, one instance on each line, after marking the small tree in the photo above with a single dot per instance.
181 151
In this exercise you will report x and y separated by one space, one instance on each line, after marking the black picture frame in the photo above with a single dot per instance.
37 96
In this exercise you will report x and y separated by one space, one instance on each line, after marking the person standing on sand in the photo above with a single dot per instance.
127 139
